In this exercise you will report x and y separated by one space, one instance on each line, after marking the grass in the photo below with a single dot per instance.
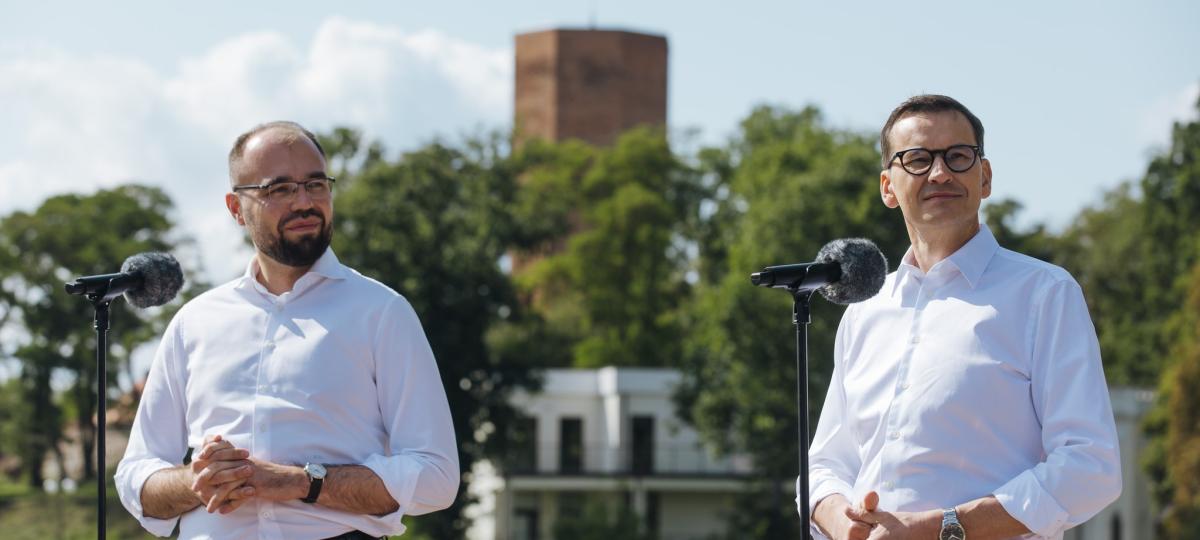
30 514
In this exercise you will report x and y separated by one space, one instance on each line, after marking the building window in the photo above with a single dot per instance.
570 445
570 508
642 458
525 524
521 454
653 511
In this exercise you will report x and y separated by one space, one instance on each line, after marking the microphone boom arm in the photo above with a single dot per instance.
105 287
798 277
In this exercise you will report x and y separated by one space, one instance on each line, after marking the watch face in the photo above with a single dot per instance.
315 470
952 531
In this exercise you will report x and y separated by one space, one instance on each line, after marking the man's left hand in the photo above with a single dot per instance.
896 525
269 481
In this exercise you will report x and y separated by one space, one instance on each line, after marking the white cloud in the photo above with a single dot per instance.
75 123
1154 126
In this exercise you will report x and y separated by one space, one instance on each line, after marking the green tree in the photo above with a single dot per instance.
1135 255
1171 206
1035 242
433 225
1172 457
71 235
1132 255
609 266
785 185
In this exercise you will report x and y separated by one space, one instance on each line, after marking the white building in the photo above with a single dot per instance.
606 435
1132 516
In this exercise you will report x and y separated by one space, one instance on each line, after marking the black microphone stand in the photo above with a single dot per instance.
801 317
868 268
101 300
800 280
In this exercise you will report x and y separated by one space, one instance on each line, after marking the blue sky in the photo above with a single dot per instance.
1075 95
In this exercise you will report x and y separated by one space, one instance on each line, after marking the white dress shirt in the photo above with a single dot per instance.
336 371
981 377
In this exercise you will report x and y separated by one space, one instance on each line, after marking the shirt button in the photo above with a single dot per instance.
904 386
266 514
916 338
262 428
894 435
889 485
262 388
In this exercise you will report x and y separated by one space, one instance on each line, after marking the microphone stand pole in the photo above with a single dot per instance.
101 301
801 317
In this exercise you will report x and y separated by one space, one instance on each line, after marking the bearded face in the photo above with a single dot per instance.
291 247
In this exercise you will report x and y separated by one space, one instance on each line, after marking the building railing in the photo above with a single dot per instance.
681 459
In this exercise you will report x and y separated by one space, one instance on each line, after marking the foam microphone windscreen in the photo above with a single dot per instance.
161 278
864 268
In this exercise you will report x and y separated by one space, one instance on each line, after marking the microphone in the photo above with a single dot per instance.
846 271
146 279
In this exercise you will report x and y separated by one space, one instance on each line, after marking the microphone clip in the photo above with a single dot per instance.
806 277
105 287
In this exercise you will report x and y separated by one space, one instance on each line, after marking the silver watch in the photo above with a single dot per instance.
951 528
316 477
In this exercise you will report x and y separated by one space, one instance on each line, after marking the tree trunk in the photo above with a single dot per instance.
85 403
42 425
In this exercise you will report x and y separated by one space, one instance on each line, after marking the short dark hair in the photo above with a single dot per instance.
926 103
239 145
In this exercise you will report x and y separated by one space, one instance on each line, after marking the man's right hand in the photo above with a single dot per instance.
218 473
833 515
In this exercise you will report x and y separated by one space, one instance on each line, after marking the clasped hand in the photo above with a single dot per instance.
865 521
225 477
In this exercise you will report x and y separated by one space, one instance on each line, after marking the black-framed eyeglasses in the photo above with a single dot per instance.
284 191
958 158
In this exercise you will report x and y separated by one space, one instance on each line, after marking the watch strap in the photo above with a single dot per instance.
951 527
314 487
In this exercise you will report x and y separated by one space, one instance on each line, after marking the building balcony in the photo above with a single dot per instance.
679 461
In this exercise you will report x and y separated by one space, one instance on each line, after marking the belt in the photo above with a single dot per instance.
355 535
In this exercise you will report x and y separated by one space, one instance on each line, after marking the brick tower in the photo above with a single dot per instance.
588 84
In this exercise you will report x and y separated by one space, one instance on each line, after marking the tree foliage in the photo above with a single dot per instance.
789 184
1169 235
565 254
609 269
432 225
67 236
1178 445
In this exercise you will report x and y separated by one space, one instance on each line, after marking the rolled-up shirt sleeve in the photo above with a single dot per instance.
158 439
421 470
834 460
1081 473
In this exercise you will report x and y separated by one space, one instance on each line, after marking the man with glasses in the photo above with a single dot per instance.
305 394
968 400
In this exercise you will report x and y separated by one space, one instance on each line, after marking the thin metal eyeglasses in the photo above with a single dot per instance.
958 158
284 191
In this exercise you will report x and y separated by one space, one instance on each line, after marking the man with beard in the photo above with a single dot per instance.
305 394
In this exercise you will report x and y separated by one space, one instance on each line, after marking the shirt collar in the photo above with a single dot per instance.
326 266
329 266
970 260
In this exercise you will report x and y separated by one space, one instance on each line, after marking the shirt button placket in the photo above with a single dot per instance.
895 413
259 433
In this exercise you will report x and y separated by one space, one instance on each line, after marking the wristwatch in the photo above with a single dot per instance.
316 477
951 528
